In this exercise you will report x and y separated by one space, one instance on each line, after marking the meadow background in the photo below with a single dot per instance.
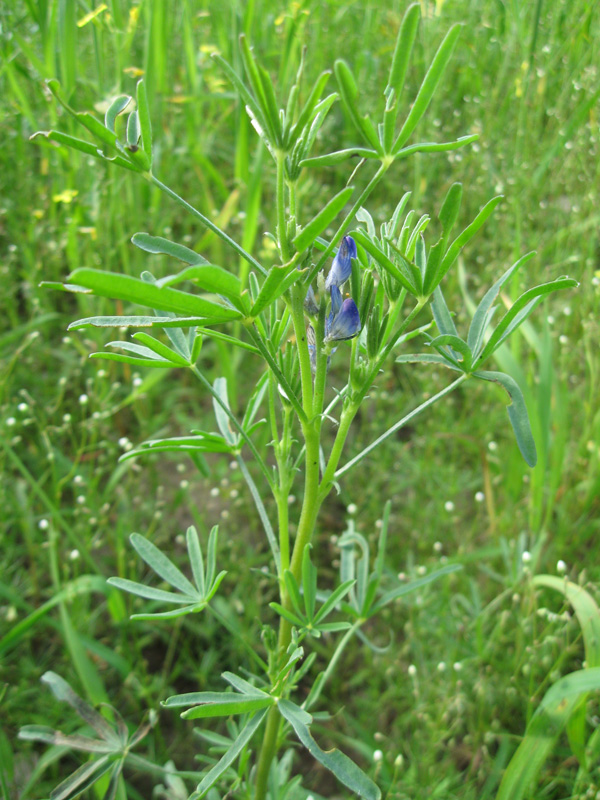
483 645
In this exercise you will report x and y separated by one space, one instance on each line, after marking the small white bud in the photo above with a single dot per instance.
81 499
23 407
449 505
457 666
67 418
74 555
137 382
421 570
214 492
83 399
412 670
43 524
437 547
492 447
526 557
561 566
291 499
399 761
441 667
479 497
184 484
377 756
352 509
78 480
11 422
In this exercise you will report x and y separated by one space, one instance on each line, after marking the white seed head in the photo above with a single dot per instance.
561 567
526 557
479 497
43 524
412 670
377 756
83 399
449 505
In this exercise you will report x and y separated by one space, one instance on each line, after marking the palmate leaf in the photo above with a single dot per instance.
191 598
114 743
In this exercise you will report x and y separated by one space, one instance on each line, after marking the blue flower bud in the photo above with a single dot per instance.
342 263
310 302
345 324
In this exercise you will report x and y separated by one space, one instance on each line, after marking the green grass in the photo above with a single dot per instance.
528 85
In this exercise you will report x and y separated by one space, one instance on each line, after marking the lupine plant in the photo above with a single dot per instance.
332 303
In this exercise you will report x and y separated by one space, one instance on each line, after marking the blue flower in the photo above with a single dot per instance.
344 321
342 263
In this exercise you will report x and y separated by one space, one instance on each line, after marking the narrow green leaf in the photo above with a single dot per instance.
133 129
223 412
293 590
150 593
515 313
437 147
157 244
349 94
430 83
83 777
403 50
69 141
480 317
324 218
269 112
345 770
63 692
243 686
426 358
307 113
144 118
232 753
42 733
338 157
241 705
211 555
162 565
155 363
133 290
118 105
333 599
162 350
517 412
460 241
276 285
196 560
382 260
196 606
293 619
208 277
119 322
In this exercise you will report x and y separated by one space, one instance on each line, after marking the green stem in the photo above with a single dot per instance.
209 224
267 752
